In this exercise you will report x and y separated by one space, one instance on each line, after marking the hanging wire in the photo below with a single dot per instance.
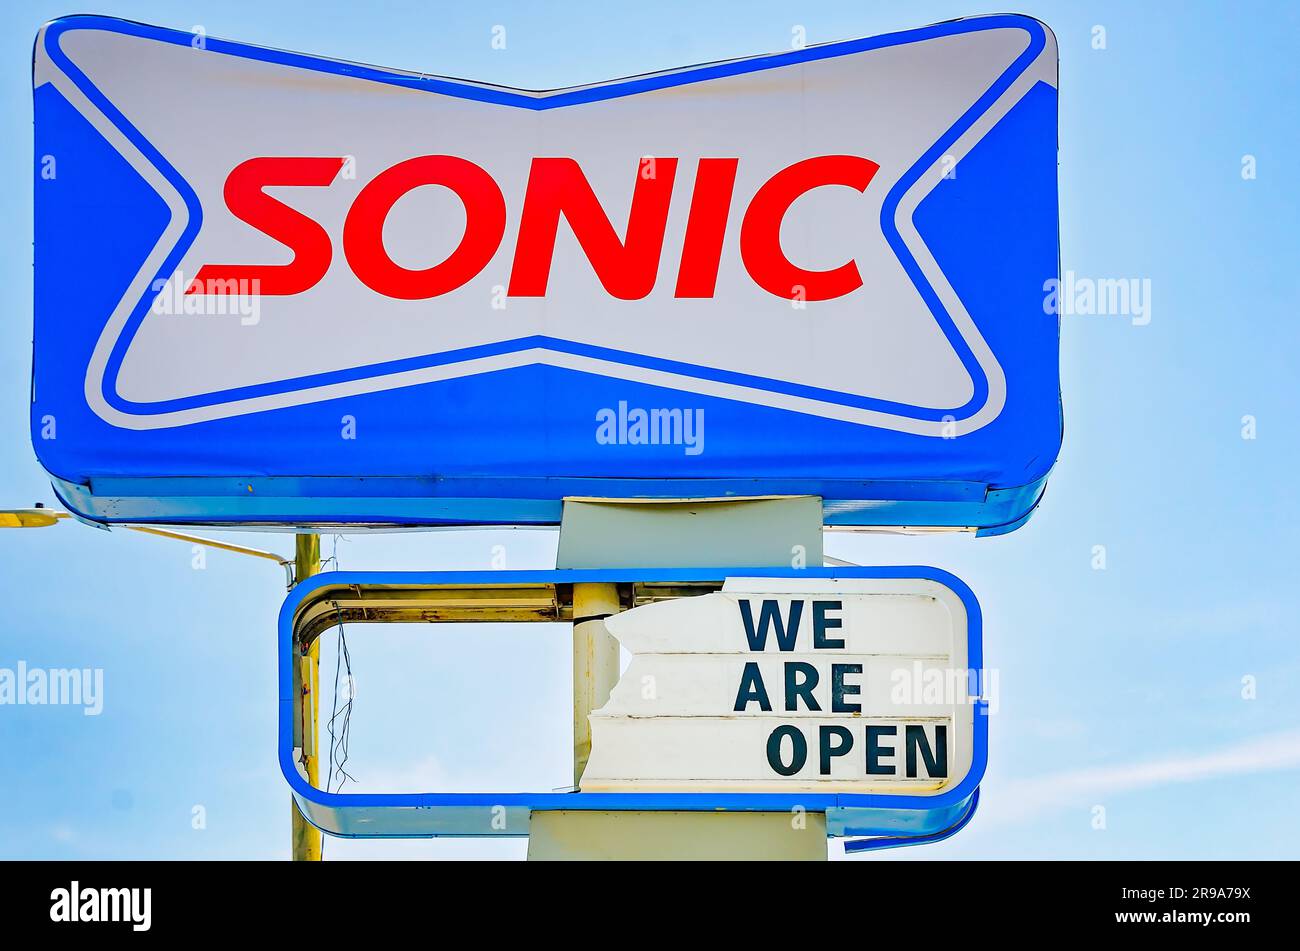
333 560
339 742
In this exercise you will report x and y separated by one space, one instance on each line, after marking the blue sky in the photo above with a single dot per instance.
1120 687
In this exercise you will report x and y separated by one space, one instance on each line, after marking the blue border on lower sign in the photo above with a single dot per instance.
416 815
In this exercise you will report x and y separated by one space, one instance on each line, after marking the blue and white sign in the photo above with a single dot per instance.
278 289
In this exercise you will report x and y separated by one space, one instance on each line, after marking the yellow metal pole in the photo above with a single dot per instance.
306 837
595 663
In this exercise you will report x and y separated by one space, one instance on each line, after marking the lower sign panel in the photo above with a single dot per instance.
748 699
792 685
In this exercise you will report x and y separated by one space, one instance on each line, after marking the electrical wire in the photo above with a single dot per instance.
339 743
333 560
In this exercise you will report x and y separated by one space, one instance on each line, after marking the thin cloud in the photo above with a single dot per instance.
1274 751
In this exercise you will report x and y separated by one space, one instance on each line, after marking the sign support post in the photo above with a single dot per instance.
773 532
306 843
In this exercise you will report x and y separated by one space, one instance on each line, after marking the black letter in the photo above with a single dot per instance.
936 762
770 613
828 752
821 624
840 690
875 750
751 689
793 691
799 746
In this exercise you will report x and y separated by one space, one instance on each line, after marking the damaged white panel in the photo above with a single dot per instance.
789 684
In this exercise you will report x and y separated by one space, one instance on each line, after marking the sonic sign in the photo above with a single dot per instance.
389 298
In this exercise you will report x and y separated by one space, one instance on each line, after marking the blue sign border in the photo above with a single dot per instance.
424 815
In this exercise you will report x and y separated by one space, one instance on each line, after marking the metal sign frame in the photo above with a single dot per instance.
315 606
